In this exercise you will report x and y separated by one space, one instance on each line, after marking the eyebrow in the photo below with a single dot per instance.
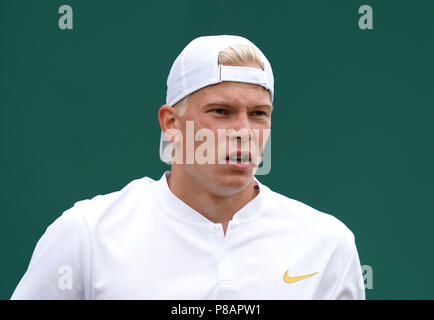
269 106
223 104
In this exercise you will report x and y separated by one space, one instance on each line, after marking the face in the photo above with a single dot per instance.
226 124
238 115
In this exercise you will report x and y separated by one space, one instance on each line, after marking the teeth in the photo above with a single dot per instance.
244 158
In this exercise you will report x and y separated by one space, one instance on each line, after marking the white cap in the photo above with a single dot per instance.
197 67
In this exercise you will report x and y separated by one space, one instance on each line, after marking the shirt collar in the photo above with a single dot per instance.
176 207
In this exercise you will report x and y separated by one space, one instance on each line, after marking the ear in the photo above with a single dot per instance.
167 117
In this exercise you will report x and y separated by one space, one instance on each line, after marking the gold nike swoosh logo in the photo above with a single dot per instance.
289 279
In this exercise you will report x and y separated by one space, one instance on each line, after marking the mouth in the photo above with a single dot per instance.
239 160
239 157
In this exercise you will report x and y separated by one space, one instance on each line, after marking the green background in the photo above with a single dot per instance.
352 127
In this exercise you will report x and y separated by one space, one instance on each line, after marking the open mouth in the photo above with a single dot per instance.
239 158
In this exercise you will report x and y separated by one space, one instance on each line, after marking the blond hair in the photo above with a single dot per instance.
236 55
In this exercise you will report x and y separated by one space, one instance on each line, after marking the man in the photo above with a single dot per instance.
207 229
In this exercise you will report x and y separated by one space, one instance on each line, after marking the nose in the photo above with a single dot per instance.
241 129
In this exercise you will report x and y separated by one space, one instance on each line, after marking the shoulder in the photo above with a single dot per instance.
312 222
124 200
74 223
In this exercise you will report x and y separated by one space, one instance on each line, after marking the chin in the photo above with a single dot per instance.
219 179
228 181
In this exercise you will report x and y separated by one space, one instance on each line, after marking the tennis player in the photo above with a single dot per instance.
208 229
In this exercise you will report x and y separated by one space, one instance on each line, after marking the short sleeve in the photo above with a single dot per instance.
60 264
351 285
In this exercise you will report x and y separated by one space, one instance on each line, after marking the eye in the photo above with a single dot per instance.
219 111
258 113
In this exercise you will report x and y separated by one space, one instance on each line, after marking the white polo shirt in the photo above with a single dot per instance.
142 242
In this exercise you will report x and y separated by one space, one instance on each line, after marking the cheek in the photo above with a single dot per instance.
259 140
204 126
266 135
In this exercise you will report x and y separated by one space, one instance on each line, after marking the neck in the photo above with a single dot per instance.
216 208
